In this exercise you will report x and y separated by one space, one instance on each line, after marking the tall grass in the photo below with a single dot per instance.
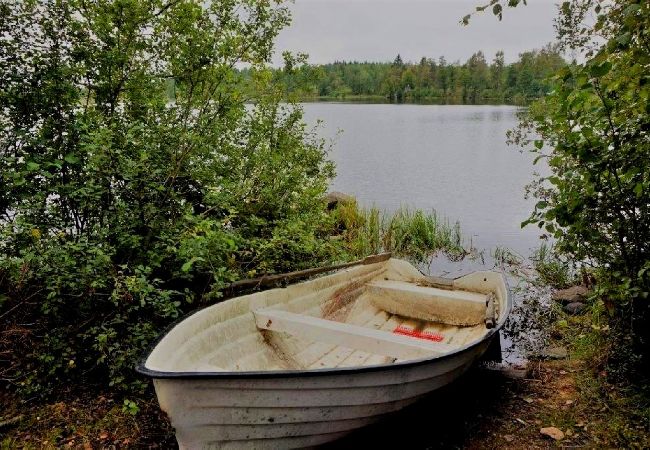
552 268
409 233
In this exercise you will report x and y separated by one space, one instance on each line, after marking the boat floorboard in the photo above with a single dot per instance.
279 350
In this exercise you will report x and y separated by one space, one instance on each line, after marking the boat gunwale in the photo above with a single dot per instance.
142 369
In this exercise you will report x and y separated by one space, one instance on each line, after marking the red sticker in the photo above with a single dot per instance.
429 335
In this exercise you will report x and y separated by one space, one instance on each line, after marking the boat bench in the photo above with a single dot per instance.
430 304
347 335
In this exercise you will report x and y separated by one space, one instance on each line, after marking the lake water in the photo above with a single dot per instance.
451 158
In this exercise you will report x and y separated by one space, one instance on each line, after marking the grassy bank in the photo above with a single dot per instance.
575 395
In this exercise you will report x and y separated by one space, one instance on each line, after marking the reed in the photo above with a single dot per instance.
413 234
553 269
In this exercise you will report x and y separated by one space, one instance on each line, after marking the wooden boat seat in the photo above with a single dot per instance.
452 307
346 335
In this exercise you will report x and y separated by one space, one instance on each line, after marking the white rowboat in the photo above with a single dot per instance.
306 364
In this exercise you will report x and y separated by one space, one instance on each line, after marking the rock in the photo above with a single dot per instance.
335 198
552 432
508 437
553 353
508 371
574 308
570 295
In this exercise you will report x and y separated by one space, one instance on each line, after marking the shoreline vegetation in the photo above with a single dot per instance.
435 81
413 234
379 100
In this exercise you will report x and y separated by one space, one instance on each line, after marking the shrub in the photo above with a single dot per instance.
125 202
592 131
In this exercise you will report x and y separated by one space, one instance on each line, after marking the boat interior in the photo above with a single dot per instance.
367 315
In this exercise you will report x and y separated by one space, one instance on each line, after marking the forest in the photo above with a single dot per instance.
477 80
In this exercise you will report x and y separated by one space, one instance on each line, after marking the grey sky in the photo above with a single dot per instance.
377 30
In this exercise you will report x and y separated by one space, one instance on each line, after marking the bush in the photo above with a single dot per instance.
595 122
126 203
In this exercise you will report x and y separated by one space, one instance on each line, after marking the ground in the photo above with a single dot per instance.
484 409
85 422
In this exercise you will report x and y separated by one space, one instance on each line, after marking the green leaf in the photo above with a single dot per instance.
527 222
631 9
638 190
71 159
32 166
566 7
188 265
624 38
539 144
600 70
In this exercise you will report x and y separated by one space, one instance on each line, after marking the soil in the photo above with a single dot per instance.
89 421
485 410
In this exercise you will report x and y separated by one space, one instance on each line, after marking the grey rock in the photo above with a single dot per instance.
574 308
571 295
515 372
554 353
335 198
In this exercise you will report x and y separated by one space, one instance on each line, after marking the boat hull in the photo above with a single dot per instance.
307 364
302 410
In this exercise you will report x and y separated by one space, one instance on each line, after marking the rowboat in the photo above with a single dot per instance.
307 364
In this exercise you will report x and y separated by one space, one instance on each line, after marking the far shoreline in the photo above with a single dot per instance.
380 100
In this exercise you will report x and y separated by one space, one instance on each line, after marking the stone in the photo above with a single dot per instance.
508 371
334 198
552 432
570 295
574 308
554 353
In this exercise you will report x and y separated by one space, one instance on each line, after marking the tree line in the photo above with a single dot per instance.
475 81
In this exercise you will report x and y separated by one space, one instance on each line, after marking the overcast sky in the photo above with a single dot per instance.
377 30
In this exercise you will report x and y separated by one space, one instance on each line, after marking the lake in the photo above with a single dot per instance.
451 158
